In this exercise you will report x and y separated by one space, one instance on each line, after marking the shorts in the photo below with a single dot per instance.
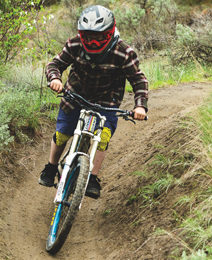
66 123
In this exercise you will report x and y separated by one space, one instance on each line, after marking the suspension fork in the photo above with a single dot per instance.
77 132
97 139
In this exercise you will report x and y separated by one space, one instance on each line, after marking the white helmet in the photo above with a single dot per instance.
98 34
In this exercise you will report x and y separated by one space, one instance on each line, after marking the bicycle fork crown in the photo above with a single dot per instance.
90 123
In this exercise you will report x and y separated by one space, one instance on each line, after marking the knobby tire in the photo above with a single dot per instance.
65 212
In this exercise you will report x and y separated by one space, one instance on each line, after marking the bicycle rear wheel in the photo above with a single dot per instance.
66 211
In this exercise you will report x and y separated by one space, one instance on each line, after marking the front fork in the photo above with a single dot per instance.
79 131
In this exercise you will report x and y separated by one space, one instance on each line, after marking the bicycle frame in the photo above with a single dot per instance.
84 130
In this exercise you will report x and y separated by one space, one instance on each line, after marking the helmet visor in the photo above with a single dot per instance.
95 42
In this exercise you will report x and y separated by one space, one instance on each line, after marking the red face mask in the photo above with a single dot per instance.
96 42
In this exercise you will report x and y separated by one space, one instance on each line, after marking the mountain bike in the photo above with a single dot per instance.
75 167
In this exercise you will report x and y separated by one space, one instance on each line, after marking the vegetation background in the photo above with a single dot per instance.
173 39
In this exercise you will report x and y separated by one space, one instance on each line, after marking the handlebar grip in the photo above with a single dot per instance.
49 84
132 115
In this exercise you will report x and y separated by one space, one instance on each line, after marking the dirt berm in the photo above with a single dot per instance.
119 225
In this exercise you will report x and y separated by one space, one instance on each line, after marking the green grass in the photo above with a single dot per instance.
150 192
24 101
195 227
107 212
198 255
160 73
204 120
140 174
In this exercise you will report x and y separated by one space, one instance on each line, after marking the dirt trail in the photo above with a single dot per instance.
26 210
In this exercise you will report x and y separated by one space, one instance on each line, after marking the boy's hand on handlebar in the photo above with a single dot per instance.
139 113
56 85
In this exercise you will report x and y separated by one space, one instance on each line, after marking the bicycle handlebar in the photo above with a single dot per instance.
96 107
73 97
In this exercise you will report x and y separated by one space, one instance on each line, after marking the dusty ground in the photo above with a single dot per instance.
110 227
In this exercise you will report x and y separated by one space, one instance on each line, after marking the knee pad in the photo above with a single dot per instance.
105 138
60 139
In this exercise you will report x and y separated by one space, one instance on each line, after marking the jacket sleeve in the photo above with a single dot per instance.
136 78
55 68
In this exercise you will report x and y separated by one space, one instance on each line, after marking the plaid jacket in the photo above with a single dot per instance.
103 83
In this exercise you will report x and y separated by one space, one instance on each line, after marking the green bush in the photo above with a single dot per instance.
15 16
147 25
193 44
5 138
21 107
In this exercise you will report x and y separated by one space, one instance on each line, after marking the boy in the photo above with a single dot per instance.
101 63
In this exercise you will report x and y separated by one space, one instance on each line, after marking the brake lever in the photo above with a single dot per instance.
126 118
62 92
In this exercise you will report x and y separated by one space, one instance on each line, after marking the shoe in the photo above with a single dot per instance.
47 175
93 188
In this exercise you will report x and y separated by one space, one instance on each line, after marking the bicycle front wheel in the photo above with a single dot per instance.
66 211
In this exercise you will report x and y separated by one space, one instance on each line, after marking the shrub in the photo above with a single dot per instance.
5 138
147 25
15 27
20 111
193 43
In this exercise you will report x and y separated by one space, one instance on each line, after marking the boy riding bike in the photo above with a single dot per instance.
101 63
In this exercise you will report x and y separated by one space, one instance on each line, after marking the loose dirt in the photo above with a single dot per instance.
112 227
